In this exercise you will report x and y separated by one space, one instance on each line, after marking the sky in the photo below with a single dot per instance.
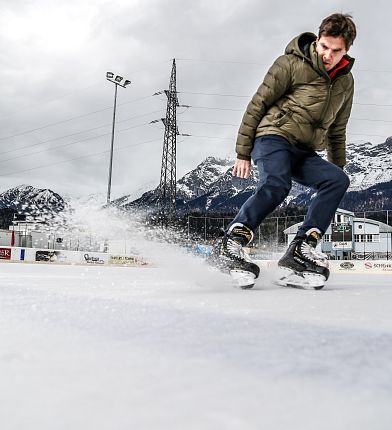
56 106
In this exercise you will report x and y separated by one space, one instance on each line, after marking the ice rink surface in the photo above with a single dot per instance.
179 348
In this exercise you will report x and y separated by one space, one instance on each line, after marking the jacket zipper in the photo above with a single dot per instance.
326 103
330 85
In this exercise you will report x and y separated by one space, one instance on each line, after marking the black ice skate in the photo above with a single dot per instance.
232 258
302 266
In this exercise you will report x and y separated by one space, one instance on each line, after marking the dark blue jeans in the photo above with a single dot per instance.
279 163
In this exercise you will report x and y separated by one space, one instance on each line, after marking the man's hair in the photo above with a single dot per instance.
339 24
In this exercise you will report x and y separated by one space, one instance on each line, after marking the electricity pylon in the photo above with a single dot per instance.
167 185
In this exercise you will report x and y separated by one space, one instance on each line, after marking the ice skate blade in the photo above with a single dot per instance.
301 280
243 279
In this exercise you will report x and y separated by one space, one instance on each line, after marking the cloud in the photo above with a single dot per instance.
56 109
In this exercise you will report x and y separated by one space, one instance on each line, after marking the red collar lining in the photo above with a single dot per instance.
342 63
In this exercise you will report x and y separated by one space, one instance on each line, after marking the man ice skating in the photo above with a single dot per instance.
302 106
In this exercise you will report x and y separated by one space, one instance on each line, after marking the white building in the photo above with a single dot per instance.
349 237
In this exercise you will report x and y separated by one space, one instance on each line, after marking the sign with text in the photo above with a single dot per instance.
5 254
125 260
347 246
342 233
342 236
91 258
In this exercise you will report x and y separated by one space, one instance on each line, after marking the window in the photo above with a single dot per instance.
367 238
327 238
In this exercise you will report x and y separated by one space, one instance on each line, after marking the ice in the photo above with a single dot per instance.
146 348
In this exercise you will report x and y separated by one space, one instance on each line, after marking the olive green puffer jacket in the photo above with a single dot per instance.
298 101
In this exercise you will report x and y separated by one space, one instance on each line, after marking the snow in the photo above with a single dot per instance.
157 348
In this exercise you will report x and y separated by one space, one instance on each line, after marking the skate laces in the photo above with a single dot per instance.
235 250
313 255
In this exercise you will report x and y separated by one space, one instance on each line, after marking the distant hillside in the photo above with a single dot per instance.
210 187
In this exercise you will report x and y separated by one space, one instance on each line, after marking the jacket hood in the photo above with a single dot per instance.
300 45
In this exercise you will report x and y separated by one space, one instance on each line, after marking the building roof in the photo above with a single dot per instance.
343 211
384 228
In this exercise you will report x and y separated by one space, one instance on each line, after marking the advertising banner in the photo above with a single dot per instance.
5 253
345 266
378 266
50 256
94 258
127 260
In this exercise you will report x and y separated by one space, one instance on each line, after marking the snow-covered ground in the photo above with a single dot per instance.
156 348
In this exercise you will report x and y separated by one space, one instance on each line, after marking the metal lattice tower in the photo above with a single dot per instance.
167 185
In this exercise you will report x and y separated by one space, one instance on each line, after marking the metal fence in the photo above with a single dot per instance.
270 238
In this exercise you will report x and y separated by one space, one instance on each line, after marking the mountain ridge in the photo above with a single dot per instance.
210 188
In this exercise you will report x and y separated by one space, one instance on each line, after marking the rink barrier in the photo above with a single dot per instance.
101 258
50 256
345 266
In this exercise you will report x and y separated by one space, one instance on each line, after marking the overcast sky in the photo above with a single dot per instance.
56 104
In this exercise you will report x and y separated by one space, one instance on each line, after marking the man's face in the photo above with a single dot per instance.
331 50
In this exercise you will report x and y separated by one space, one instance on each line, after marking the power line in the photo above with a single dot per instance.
217 108
49 101
201 60
235 125
223 61
146 97
211 137
209 123
372 104
140 125
212 94
70 143
79 90
233 138
369 135
372 120
78 158
249 97
69 119
74 134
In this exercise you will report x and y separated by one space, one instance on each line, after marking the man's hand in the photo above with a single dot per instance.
242 168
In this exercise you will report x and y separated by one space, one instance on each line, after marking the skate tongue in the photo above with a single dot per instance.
241 234
313 237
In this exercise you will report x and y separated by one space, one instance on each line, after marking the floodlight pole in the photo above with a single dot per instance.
112 145
117 82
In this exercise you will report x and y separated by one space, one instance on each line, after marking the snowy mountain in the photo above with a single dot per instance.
28 200
368 164
211 188
92 200
198 182
370 170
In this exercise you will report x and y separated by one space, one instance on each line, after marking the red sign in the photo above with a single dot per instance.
5 253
